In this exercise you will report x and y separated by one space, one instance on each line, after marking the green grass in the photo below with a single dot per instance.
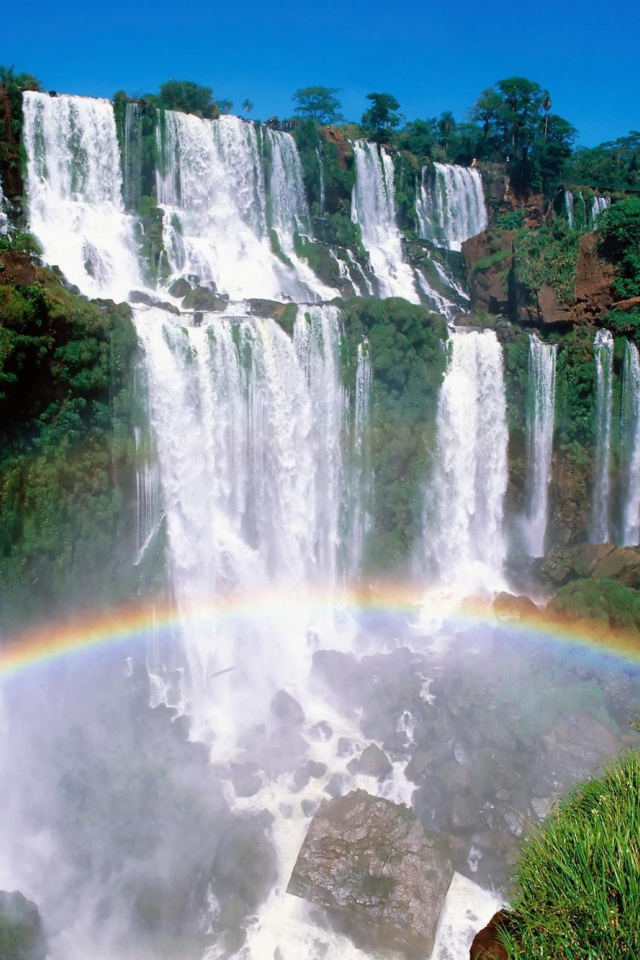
578 877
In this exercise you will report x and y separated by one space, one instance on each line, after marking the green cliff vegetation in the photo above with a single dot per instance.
408 359
578 878
66 443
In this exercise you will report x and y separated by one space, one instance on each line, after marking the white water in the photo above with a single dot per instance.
450 204
568 205
361 465
540 422
74 189
465 505
598 205
603 353
214 189
4 220
373 206
631 446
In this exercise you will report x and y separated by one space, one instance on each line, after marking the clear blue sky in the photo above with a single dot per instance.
431 56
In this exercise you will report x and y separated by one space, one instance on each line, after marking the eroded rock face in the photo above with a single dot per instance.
382 877
21 934
489 285
486 943
600 561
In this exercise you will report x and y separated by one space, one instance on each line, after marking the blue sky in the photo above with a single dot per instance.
432 57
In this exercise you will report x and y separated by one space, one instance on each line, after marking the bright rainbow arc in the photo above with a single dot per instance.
92 631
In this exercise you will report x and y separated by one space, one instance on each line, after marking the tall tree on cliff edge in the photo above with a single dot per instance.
382 117
319 104
519 129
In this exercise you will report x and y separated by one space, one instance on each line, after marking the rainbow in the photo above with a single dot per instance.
92 630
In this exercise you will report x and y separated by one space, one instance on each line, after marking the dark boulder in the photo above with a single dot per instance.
486 943
381 876
179 288
139 296
204 298
286 709
21 934
374 762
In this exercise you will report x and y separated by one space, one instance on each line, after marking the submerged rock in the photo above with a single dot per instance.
286 709
203 298
21 934
382 877
374 762
139 296
179 288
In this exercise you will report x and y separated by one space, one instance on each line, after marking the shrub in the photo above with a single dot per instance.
578 877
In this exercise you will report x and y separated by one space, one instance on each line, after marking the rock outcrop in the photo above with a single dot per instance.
488 260
21 933
599 561
486 943
382 877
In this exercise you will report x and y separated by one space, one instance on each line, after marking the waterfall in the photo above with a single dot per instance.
540 422
598 205
450 204
373 206
227 219
631 446
603 351
568 206
362 479
74 190
4 220
248 425
132 157
464 525
321 190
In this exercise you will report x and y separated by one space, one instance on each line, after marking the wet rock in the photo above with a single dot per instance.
245 779
316 769
339 673
21 934
321 731
16 268
263 308
542 806
374 762
345 746
600 561
486 943
246 863
203 298
464 813
578 746
308 807
381 876
179 288
139 296
506 606
284 750
335 785
286 709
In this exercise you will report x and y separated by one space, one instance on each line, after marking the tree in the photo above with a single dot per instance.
247 106
382 117
189 97
419 137
446 128
319 104
619 237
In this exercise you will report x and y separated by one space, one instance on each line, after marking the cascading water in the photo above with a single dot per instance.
464 519
220 206
132 157
603 352
540 422
74 189
373 207
569 208
598 205
450 204
631 446
361 485
4 220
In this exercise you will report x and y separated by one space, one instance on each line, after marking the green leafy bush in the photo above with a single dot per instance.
619 236
548 255
578 877
607 603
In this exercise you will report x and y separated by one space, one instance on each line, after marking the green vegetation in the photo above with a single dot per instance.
66 460
318 104
408 360
612 166
189 97
619 234
605 603
12 86
382 117
578 877
548 255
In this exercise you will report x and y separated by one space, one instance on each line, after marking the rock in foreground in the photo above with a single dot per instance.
382 877
21 935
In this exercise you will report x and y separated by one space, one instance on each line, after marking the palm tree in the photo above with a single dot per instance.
247 106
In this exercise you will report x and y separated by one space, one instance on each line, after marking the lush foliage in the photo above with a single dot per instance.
408 359
606 603
12 86
382 117
579 877
65 410
318 104
613 165
189 97
619 232
548 255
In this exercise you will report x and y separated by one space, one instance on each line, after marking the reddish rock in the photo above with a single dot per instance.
625 305
16 268
486 943
489 287
594 277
